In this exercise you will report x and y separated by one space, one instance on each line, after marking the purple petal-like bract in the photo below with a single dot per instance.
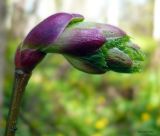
84 38
28 59
80 41
50 29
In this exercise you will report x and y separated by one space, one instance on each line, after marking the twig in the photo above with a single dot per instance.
20 81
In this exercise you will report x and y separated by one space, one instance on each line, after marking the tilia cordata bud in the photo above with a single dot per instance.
90 47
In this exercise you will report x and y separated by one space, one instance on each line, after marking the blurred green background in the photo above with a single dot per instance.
62 101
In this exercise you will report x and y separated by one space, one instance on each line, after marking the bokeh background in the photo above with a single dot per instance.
62 101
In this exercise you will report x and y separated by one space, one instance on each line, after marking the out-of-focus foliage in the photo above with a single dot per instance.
62 101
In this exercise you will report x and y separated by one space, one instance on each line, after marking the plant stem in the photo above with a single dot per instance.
20 82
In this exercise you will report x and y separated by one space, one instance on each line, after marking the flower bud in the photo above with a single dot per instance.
90 47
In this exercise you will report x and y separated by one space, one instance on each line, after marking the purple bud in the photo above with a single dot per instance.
90 47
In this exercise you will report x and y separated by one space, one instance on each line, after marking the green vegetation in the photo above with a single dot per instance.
62 101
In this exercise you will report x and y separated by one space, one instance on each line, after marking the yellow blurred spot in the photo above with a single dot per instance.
158 121
101 100
145 116
149 107
88 120
100 124
3 123
37 78
97 134
60 134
